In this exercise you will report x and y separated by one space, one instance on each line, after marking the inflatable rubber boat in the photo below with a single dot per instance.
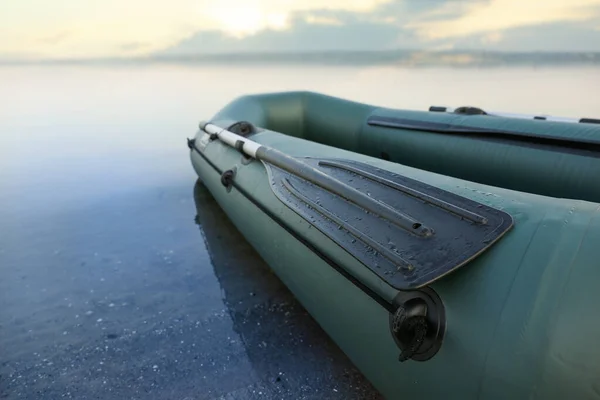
449 253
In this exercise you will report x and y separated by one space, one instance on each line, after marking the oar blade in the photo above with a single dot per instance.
462 228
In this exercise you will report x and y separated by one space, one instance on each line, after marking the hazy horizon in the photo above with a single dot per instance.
396 57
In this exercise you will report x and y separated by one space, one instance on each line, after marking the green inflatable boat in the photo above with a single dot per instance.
451 254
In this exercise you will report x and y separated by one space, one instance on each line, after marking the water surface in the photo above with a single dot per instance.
120 277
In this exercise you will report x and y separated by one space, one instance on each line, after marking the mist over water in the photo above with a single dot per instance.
110 288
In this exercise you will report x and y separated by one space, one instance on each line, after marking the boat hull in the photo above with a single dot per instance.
520 318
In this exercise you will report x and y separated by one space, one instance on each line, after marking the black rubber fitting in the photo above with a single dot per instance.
467 110
227 178
418 324
437 109
589 121
239 145
245 128
242 128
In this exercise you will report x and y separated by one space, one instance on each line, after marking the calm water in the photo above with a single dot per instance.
120 277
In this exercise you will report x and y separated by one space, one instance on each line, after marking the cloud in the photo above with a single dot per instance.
379 27
319 20
392 25
95 28
113 28
310 31
102 28
491 38
135 47
499 15
557 37
239 18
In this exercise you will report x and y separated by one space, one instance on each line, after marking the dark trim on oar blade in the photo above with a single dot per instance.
461 228
368 291
586 146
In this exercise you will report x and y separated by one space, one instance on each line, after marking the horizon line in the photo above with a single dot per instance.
394 55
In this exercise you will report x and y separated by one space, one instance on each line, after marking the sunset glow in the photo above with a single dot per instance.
112 28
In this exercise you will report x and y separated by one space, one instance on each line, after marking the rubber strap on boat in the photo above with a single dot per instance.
592 145
368 291
537 117
590 120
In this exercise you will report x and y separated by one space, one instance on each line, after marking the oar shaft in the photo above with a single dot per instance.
302 170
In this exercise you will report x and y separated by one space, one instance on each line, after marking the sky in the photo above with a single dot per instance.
86 29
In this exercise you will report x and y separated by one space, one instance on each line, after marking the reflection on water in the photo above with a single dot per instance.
119 299
289 353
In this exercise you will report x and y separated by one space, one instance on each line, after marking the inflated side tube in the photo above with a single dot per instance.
557 159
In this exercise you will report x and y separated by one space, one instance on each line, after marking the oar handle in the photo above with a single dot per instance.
239 142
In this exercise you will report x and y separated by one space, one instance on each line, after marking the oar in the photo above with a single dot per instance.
405 231
313 175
